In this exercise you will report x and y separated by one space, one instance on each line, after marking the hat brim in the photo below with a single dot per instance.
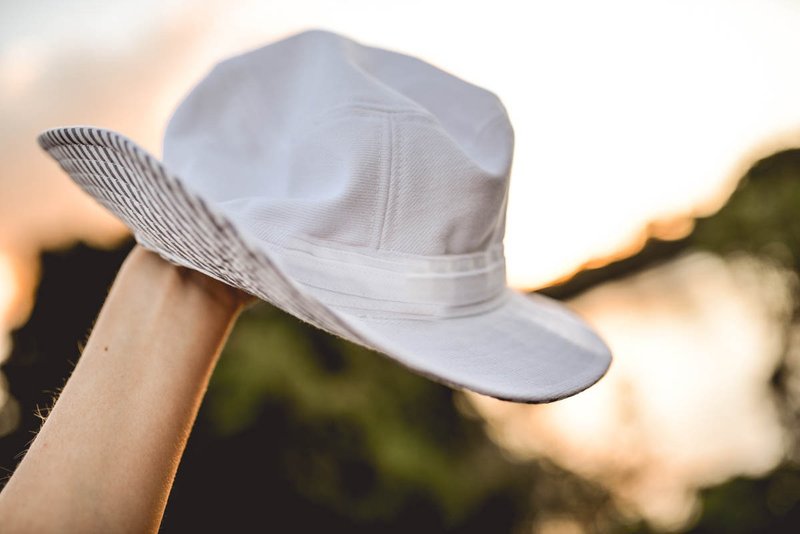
527 349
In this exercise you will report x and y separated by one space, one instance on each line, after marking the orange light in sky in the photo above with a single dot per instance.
8 294
630 118
625 112
687 401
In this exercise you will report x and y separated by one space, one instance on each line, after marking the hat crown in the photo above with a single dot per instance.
360 190
321 139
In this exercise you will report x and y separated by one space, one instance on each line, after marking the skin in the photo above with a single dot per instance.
105 458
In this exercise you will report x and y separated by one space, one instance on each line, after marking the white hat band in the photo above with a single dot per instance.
399 286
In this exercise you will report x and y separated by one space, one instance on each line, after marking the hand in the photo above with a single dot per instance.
141 258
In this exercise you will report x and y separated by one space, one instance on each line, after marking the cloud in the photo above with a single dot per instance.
128 89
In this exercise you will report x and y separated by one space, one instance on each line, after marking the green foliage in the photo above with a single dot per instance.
743 505
304 430
761 217
406 427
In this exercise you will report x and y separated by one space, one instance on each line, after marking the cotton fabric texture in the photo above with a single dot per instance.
361 190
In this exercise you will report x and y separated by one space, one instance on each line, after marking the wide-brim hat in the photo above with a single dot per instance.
361 190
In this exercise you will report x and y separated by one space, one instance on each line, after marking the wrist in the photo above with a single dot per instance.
155 304
145 273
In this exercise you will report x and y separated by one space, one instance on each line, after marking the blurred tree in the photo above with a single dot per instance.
306 431
745 505
45 350
760 219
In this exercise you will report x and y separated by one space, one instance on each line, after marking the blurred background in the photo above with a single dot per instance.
655 189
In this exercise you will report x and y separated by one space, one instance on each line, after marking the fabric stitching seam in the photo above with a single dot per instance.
389 182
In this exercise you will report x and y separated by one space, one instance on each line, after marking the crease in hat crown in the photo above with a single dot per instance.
327 144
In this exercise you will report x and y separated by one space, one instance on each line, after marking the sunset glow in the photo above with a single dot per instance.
624 131
686 401
8 295
618 126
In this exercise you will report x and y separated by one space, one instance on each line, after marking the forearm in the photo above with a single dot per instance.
105 459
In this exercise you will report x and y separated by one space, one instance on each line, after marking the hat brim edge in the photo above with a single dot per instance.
124 177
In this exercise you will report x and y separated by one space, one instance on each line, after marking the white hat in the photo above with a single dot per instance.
361 190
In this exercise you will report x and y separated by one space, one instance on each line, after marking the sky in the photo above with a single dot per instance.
630 118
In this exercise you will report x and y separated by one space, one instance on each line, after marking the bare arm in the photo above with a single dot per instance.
105 459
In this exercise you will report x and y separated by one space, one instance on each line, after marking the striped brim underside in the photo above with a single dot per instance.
175 223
